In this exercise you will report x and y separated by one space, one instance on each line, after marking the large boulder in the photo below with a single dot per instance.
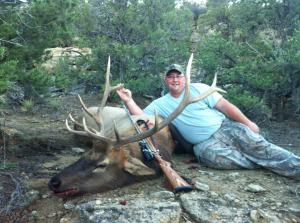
52 56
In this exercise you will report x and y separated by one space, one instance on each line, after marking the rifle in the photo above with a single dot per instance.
178 184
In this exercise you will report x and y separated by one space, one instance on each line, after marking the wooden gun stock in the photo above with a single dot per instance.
178 184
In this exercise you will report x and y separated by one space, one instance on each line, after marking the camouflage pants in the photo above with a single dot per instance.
235 146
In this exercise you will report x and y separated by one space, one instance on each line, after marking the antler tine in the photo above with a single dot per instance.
95 134
72 130
98 119
87 130
117 134
107 88
213 88
74 121
188 76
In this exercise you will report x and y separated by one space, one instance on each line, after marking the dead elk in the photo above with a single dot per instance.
115 159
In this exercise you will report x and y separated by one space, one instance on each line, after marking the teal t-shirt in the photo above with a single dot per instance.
198 121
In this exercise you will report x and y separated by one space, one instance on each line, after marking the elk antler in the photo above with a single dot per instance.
97 118
119 141
107 88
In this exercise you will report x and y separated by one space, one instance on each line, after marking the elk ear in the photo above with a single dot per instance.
136 167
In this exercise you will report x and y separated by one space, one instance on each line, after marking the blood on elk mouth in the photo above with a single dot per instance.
66 193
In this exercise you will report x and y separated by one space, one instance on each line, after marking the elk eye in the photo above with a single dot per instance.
101 165
100 168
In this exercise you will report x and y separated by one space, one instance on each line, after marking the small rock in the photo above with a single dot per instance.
163 195
237 201
201 186
206 173
98 202
214 194
34 215
263 216
255 188
123 202
295 210
255 204
78 150
254 216
230 197
49 165
32 196
44 196
234 174
221 201
69 206
51 215
64 220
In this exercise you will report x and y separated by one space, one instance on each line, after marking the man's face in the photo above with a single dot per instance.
175 82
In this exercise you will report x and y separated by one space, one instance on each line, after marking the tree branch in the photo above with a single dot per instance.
7 41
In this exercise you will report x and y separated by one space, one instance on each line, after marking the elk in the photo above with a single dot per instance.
115 159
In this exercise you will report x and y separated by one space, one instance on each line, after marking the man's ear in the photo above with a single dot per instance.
136 167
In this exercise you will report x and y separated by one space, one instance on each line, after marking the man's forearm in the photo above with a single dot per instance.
235 114
133 108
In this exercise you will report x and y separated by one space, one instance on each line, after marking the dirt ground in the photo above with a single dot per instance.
37 145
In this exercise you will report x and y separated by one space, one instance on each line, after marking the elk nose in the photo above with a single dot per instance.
54 183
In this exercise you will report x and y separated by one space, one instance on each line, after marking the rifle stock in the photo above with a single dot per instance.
178 184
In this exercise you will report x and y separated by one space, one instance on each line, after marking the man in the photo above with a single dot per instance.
223 137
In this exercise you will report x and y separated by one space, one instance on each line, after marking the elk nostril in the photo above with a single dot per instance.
54 183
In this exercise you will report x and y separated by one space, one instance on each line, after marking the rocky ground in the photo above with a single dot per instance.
37 146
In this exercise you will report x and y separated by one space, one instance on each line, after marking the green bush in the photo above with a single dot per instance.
252 106
7 165
54 103
63 74
9 70
36 82
27 105
67 75
144 85
138 87
2 52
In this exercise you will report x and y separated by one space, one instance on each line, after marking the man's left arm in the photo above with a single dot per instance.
234 113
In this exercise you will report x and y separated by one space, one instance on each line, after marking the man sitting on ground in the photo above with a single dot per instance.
223 137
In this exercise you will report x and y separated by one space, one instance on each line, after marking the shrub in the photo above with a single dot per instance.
63 75
54 103
27 105
251 105
8 71
144 85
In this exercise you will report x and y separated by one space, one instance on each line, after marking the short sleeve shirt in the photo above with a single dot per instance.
198 121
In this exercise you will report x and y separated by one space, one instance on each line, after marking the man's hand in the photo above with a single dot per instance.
124 94
126 97
234 113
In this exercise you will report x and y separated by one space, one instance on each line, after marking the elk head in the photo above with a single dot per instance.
115 160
